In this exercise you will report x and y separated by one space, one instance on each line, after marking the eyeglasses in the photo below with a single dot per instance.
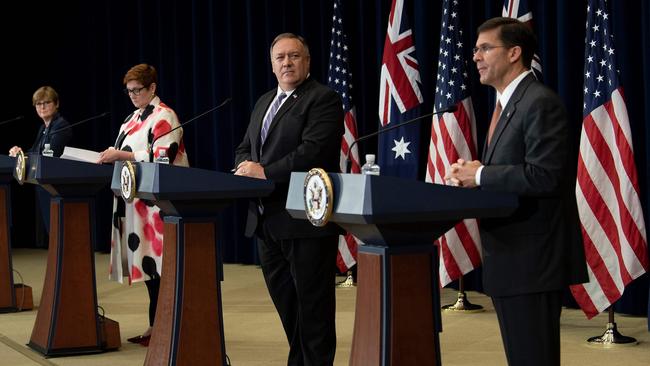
43 103
484 49
134 91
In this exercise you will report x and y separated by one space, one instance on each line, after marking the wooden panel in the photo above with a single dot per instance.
366 339
41 330
7 300
76 324
66 322
161 338
412 334
201 330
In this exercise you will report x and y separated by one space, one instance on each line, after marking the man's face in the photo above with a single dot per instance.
290 63
492 59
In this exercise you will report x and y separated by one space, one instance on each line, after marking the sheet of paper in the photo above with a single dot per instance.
73 153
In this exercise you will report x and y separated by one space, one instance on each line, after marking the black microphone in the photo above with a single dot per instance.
80 122
450 109
11 120
226 101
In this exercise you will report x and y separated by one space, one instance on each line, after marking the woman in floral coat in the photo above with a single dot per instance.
137 234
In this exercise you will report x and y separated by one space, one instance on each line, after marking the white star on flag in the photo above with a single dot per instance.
401 148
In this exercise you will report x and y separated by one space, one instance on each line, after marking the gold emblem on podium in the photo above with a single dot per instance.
21 163
319 196
127 181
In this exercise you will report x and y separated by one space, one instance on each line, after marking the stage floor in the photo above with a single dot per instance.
254 336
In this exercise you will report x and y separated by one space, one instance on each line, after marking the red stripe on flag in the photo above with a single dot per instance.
602 214
450 265
582 297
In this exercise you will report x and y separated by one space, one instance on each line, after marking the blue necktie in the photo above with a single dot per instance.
269 117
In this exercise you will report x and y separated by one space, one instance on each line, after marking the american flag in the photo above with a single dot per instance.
520 10
453 136
607 191
399 95
340 79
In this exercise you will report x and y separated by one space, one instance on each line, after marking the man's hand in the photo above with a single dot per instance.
250 169
463 173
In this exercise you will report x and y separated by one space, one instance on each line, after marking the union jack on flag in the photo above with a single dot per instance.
520 10
607 189
399 95
340 79
453 136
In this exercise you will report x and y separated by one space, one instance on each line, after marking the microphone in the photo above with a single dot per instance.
80 122
450 109
11 120
226 101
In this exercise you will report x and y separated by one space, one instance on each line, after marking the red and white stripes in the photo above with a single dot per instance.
607 193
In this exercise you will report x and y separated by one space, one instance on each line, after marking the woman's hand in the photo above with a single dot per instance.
14 151
111 154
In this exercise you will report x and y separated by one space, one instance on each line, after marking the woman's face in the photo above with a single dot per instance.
46 109
140 96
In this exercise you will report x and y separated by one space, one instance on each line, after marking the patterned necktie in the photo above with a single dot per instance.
495 120
269 117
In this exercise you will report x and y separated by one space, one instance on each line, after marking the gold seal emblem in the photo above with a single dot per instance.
319 196
21 163
127 181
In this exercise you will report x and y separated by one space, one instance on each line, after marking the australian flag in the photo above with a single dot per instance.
399 98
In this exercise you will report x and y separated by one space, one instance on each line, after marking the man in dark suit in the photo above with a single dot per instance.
532 255
295 127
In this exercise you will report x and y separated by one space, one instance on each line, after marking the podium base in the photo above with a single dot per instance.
612 338
110 333
462 305
24 298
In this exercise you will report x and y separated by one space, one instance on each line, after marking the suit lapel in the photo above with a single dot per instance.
506 116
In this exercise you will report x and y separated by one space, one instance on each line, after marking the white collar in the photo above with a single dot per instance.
504 97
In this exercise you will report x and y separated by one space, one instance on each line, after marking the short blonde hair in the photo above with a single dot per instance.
45 93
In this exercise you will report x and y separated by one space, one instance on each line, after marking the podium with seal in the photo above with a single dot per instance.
13 296
67 321
188 329
397 316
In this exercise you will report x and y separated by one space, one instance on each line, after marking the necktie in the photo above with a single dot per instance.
495 120
269 117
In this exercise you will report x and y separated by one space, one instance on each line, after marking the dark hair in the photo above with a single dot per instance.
146 74
292 36
513 33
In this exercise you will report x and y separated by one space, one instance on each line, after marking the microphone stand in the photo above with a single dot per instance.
450 109
18 118
226 101
80 122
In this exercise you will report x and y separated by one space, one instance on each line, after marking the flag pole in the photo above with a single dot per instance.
611 337
462 305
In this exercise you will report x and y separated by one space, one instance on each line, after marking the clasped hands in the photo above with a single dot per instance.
251 169
462 173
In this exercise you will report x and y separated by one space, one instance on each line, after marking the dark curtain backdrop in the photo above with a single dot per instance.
206 51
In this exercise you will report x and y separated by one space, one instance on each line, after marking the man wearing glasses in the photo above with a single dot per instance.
532 255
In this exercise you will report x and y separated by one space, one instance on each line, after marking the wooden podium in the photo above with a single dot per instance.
67 321
188 329
397 316
13 297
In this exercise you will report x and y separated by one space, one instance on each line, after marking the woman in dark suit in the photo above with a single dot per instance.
46 102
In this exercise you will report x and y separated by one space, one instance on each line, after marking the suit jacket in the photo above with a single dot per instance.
57 141
539 247
304 134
